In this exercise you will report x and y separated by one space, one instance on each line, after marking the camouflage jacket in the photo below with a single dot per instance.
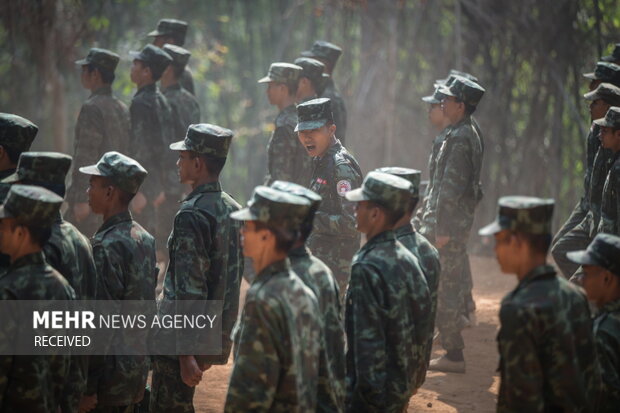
594 193
5 260
102 126
287 159
125 260
610 202
593 143
456 187
607 336
187 81
33 383
206 260
428 258
71 254
545 342
387 322
318 277
152 128
338 108
277 346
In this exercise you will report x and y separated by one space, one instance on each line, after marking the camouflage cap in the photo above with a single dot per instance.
313 114
324 50
170 27
603 251
606 92
435 98
274 207
31 205
16 132
206 139
124 172
101 59
282 73
464 90
179 56
41 168
615 55
312 69
611 119
412 175
526 214
605 71
390 191
454 74
295 189
153 57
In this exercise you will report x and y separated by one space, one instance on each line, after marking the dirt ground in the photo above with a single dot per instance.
474 391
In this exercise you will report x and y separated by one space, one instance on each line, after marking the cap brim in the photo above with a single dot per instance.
265 79
4 213
356 195
81 62
307 53
608 59
155 33
11 179
134 54
589 76
311 124
179 146
602 122
430 99
582 258
590 95
491 229
90 170
243 215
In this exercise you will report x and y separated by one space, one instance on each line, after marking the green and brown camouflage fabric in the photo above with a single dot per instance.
390 191
277 346
124 172
387 322
101 59
206 139
280 72
607 338
610 202
546 347
31 205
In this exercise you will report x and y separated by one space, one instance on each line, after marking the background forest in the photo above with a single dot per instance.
528 54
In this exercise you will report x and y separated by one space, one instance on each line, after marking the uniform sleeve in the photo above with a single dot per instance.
89 134
339 219
456 181
610 206
190 242
609 361
366 356
256 370
282 146
521 387
146 146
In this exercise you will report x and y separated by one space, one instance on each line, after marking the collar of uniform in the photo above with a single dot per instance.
299 252
331 150
115 219
36 258
58 217
208 187
290 108
536 273
148 88
404 230
176 86
273 269
465 121
7 172
611 307
103 90
385 236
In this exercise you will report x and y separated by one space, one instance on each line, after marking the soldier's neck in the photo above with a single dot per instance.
96 85
166 83
405 220
528 264
145 83
23 250
203 180
266 259
286 102
114 210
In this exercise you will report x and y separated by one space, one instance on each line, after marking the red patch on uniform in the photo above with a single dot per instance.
342 187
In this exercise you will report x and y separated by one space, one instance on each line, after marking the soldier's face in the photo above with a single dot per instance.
452 109
363 214
610 139
505 245
98 193
317 141
137 71
10 234
598 109
253 240
276 92
186 167
595 282
86 77
435 115
594 84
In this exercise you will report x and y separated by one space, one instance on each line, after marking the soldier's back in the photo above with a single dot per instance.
610 199
338 107
607 336
185 108
187 81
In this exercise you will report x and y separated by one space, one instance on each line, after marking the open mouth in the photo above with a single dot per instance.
310 148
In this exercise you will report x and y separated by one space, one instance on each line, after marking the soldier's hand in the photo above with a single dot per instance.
160 199
190 372
441 241
138 203
204 367
87 403
81 211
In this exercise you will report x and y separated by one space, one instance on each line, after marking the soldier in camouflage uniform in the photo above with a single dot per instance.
388 304
334 239
186 112
422 249
311 80
152 128
278 338
30 383
205 260
328 54
546 346
614 57
448 215
102 126
67 251
286 158
172 31
610 199
578 229
318 277
601 264
124 255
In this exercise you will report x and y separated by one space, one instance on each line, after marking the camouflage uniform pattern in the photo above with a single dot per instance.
387 323
15 132
318 277
547 362
277 346
334 238
610 203
607 337
124 255
338 107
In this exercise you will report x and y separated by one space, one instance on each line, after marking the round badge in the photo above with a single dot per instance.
343 187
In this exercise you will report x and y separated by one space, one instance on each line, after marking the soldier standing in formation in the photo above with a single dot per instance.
311 80
172 31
